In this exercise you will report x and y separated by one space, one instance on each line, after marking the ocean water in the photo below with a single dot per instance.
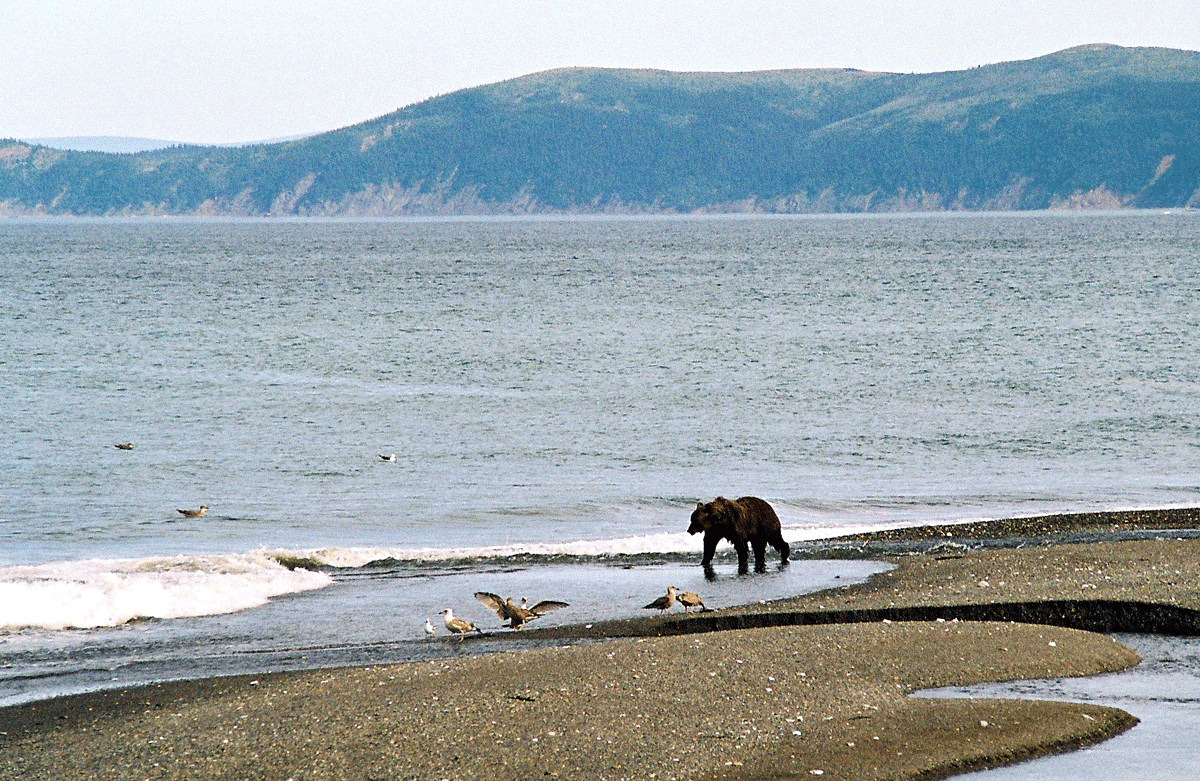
558 393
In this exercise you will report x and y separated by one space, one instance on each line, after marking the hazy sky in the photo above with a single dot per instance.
214 71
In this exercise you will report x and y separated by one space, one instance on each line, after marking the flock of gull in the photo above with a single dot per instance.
688 599
517 615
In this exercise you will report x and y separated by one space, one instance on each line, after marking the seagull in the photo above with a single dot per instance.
663 603
517 615
124 446
458 626
388 457
690 599
201 510
429 630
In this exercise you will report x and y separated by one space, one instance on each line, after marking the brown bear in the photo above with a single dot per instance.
745 520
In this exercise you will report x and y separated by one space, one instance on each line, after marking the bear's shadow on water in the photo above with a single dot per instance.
712 576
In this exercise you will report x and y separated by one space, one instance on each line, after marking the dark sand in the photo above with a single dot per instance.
782 690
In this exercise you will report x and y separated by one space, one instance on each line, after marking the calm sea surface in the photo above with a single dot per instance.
558 394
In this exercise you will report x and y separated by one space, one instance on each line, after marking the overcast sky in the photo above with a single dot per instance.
216 71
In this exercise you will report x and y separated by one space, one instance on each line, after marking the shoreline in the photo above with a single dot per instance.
814 682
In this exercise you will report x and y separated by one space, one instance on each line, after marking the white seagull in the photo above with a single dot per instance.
457 626
429 630
388 457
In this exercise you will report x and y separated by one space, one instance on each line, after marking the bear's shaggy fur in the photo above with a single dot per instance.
748 520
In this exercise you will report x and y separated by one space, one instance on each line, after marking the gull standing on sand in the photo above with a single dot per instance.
429 630
198 512
517 615
663 604
458 626
690 599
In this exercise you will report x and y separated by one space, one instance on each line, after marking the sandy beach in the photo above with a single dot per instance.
813 686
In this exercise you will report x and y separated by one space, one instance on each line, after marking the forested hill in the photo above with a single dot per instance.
1094 126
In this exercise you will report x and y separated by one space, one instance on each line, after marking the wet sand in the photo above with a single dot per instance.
781 690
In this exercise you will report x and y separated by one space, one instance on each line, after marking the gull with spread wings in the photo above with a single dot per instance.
517 615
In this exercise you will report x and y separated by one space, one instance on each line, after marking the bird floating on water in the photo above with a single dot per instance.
517 615
198 512
388 457
457 625
124 446
429 630
663 603
690 599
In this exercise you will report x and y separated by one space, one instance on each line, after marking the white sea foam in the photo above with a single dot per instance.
357 557
110 592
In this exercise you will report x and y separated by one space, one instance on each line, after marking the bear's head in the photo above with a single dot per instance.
706 516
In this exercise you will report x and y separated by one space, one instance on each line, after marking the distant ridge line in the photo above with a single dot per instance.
1096 126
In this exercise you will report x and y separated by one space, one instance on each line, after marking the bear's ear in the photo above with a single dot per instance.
699 505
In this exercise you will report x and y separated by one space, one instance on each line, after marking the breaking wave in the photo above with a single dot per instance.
110 592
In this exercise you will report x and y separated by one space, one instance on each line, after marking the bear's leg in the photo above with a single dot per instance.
710 547
760 554
743 553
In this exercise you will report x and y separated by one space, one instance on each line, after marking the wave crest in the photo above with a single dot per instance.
111 592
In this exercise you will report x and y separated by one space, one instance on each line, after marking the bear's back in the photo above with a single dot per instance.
760 513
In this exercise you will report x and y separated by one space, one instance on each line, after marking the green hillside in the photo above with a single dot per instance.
1094 126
